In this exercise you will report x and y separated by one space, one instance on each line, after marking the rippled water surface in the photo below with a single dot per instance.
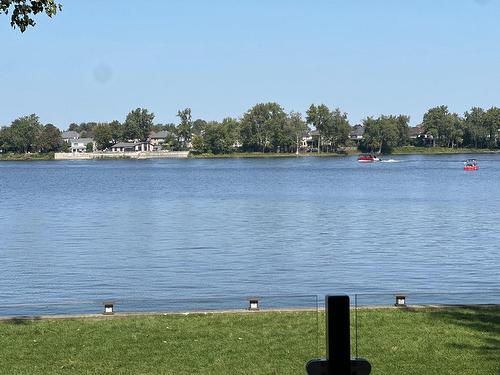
224 227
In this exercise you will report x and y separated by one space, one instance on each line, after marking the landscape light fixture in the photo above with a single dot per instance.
253 304
400 300
108 308
338 359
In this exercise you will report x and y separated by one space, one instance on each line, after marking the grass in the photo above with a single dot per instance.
412 150
270 155
441 341
407 150
21 157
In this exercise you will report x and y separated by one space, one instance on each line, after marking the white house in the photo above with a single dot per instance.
159 138
69 136
132 147
80 145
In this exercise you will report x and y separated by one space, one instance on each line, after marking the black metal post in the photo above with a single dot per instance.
338 339
338 343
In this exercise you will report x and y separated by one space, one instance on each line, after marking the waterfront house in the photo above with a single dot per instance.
415 132
132 147
356 134
306 141
419 137
157 139
69 136
80 145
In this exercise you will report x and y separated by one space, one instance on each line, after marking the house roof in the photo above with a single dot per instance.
84 140
129 144
160 135
414 131
357 130
70 135
124 144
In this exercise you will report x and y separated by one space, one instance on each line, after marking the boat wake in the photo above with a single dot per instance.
390 161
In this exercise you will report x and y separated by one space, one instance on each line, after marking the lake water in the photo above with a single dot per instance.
95 230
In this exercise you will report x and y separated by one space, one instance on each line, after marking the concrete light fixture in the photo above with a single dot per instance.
400 300
108 308
253 304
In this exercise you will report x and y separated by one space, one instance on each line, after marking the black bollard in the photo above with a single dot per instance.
338 343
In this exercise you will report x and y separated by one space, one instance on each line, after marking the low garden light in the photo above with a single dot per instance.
253 304
108 307
400 300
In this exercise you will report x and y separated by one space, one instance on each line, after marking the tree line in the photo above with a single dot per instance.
266 127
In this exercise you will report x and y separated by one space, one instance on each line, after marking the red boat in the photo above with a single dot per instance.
367 158
471 165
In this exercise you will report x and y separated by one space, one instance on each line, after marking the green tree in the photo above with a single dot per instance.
214 138
22 11
262 127
443 125
492 123
338 129
475 134
49 139
5 139
220 138
103 136
295 128
198 126
116 131
320 118
185 128
74 127
456 133
232 128
138 124
385 133
89 147
198 143
24 133
333 126
372 137
64 146
403 124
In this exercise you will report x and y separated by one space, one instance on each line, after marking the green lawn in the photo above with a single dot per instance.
22 157
411 150
451 341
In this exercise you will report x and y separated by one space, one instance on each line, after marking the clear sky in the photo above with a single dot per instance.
97 59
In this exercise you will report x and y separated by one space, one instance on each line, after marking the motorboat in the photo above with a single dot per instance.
368 158
471 165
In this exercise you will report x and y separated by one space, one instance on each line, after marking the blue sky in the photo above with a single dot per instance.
97 60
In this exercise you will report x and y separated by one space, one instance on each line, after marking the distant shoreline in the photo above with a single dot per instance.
409 150
396 151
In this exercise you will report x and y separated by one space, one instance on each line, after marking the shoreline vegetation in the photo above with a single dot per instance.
10 156
265 130
457 340
408 150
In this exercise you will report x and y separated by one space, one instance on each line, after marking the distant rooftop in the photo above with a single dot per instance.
159 135
84 140
70 135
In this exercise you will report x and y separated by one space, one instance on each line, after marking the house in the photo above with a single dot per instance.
132 146
415 132
80 145
418 136
306 141
68 136
357 133
157 139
